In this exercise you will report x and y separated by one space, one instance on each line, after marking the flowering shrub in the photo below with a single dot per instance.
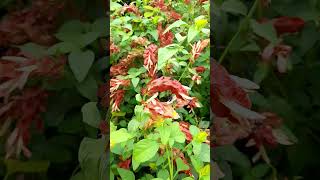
262 117
159 88
51 66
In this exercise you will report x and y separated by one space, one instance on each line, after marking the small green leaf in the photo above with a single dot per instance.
88 88
265 30
165 53
235 7
144 150
178 23
80 63
164 134
126 174
181 166
148 14
37 51
91 114
135 81
163 174
192 33
260 170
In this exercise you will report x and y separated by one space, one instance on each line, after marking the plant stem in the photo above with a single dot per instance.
170 164
249 15
185 70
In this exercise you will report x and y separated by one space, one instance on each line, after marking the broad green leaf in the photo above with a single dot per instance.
135 81
114 6
192 33
178 23
35 50
181 166
148 14
144 150
126 174
197 164
91 152
63 48
205 152
231 154
235 7
80 63
119 136
91 114
265 30
163 174
260 170
165 53
194 130
261 72
88 88
164 132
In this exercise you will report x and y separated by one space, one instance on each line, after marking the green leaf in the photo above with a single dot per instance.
178 23
194 130
165 53
261 72
231 154
119 136
144 150
163 174
148 14
114 6
91 114
260 170
80 63
126 174
135 81
91 152
181 166
197 164
35 50
63 48
192 33
88 88
164 134
205 152
235 7
265 30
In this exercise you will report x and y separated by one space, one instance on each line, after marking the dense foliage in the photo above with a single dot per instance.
52 61
159 85
267 129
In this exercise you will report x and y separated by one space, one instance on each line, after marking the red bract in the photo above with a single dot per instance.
103 94
178 154
125 164
288 24
200 69
116 83
123 66
281 52
25 109
184 127
160 4
116 99
114 49
150 59
130 8
166 38
223 86
173 15
35 23
104 128
197 48
164 109
167 84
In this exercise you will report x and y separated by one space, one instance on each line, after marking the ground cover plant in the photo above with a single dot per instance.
159 89
265 128
53 54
